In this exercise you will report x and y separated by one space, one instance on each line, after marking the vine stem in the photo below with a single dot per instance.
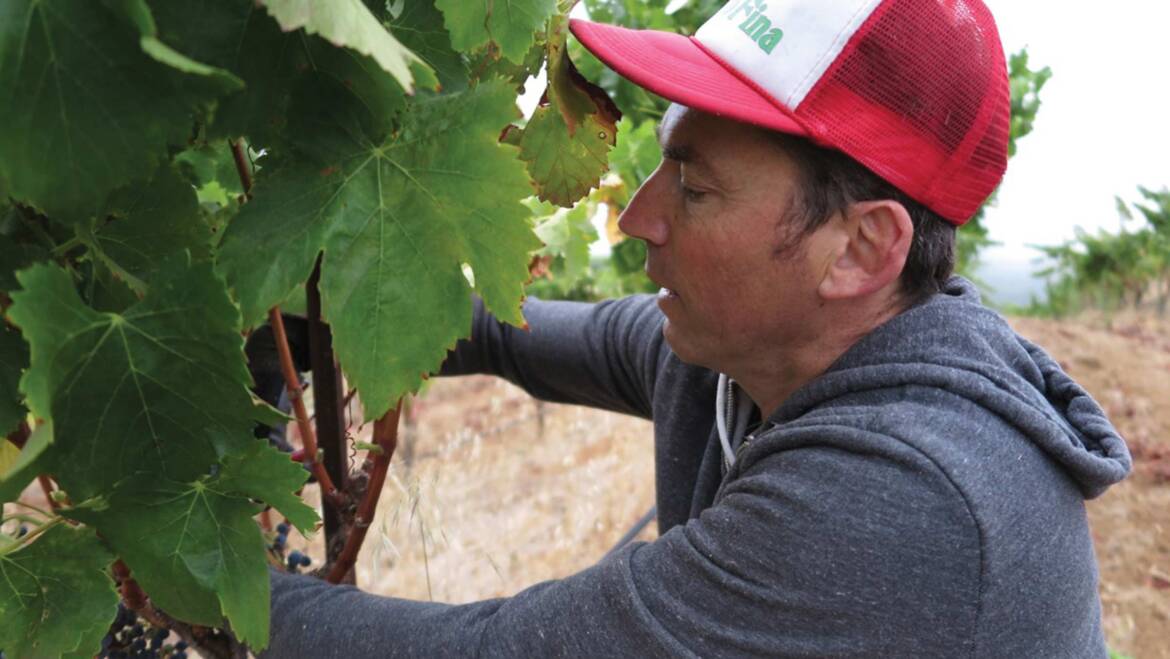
243 167
386 438
328 410
292 383
295 395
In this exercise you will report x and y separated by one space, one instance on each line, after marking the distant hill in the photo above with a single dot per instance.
1007 275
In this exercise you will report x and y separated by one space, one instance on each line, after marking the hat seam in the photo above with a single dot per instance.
753 85
832 48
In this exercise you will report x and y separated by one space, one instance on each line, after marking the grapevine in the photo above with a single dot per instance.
172 176
339 177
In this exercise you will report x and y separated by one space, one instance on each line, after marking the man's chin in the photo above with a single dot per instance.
678 345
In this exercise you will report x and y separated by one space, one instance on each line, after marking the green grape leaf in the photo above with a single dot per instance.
267 58
212 170
274 63
15 255
398 219
349 23
565 166
637 153
208 32
57 597
509 24
13 361
288 216
139 14
161 387
265 473
420 28
145 223
85 110
103 290
568 233
192 546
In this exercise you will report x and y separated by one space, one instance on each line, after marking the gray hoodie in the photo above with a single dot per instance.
923 497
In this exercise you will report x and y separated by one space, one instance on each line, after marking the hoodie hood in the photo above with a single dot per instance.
955 343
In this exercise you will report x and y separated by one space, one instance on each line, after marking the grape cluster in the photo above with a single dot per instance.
281 540
297 560
132 638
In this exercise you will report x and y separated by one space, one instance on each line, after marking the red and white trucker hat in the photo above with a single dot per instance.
915 90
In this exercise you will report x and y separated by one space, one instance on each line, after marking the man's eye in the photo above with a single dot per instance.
691 194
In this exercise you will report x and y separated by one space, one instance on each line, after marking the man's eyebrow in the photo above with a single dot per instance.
678 153
671 151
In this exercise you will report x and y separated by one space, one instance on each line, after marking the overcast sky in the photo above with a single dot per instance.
1104 126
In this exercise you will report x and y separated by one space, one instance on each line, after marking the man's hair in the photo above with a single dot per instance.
833 181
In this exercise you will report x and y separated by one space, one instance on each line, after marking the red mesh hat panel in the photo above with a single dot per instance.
920 96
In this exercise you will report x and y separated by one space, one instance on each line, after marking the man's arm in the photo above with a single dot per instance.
811 552
604 355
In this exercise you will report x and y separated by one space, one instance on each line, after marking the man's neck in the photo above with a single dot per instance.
773 374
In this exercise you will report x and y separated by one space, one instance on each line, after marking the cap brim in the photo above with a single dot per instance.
678 69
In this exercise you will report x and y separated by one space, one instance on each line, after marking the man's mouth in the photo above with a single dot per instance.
667 294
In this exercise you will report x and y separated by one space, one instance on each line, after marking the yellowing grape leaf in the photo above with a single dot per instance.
16 476
160 388
350 24
56 597
84 109
8 455
565 166
567 141
398 219
510 24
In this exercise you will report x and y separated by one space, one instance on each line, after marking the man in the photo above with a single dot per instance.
854 457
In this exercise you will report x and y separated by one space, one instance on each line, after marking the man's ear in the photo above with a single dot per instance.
876 237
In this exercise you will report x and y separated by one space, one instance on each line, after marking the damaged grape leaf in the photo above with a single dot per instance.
567 141
57 598
160 388
398 219
565 166
509 24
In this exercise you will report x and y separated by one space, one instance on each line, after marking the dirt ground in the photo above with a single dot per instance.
492 492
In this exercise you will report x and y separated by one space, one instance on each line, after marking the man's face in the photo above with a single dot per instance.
715 216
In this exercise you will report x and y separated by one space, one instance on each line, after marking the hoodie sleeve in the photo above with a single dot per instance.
810 552
603 355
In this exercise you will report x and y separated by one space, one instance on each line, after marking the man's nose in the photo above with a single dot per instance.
645 217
